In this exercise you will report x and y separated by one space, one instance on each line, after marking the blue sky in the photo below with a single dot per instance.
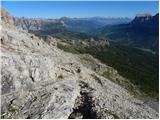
57 9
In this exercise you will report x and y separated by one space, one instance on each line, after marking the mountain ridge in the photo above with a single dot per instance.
141 32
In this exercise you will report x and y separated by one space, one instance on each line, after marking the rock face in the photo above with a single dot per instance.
40 81
146 20
5 16
37 24
144 16
99 42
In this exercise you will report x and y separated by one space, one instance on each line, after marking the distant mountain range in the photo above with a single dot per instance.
84 25
142 32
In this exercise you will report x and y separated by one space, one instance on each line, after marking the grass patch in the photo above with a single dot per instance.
125 84
113 114
67 48
13 109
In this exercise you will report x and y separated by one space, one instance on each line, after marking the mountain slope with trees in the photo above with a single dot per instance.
142 32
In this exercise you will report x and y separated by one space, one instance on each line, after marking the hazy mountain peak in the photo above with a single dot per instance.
143 18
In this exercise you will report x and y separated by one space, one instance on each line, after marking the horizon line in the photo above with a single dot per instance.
107 17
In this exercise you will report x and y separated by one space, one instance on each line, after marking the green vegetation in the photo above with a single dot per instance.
140 67
67 48
113 114
141 36
13 108
72 35
108 75
124 83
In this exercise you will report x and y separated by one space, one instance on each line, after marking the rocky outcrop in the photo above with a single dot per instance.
28 68
38 24
41 81
99 42
6 16
146 16
147 20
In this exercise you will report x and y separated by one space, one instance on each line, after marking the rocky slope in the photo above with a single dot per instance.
7 17
38 80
